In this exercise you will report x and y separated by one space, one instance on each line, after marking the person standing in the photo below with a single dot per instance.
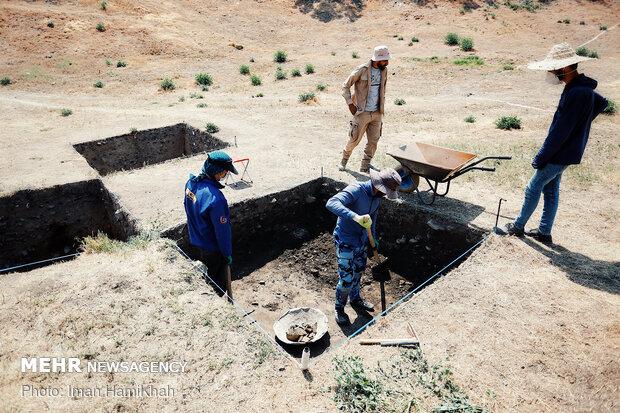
366 105
208 216
566 140
357 207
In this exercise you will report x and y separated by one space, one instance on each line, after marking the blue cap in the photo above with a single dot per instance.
218 161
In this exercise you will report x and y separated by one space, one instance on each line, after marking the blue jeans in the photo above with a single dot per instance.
351 265
547 181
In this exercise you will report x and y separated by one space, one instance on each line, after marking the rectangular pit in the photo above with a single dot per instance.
146 147
284 255
48 223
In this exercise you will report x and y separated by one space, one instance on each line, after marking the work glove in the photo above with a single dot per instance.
229 260
364 220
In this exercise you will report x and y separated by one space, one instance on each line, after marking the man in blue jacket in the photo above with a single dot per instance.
208 217
357 207
566 139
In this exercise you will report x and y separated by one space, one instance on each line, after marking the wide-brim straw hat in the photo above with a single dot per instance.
561 55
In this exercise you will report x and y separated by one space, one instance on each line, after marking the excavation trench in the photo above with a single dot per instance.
284 255
146 147
49 223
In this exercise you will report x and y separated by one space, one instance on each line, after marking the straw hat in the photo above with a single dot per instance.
560 55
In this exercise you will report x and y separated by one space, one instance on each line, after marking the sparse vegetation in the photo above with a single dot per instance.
470 119
354 391
508 123
584 51
582 23
103 5
611 108
305 97
602 27
280 56
333 53
295 72
469 61
321 87
181 98
201 105
414 39
280 74
65 112
256 80
451 39
355 55
566 21
133 130
167 84
401 38
244 69
5 81
211 128
100 243
204 79
399 102
50 24
121 63
258 95
309 69
98 84
508 66
100 27
195 95
467 44
108 62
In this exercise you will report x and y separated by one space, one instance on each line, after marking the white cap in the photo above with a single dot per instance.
380 53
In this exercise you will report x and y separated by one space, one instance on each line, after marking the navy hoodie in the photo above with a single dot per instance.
570 128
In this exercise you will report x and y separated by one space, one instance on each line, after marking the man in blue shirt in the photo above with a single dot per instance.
357 207
208 217
566 140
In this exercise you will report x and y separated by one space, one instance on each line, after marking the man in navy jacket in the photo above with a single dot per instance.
566 139
208 217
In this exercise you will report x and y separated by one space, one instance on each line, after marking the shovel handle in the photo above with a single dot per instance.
229 284
388 341
373 244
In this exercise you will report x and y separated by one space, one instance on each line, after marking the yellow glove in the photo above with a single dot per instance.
364 220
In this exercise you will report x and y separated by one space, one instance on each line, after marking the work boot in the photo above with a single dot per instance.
360 305
545 239
510 229
343 164
341 317
365 167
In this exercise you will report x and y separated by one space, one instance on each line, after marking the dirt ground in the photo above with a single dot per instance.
523 326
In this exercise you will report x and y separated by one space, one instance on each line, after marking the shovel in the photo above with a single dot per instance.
229 284
379 269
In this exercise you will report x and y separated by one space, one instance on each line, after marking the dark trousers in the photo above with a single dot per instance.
216 269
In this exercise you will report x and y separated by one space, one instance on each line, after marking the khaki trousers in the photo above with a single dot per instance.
366 122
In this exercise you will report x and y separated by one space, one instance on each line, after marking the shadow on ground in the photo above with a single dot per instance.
328 10
601 275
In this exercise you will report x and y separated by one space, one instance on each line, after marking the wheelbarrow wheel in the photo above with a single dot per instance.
409 181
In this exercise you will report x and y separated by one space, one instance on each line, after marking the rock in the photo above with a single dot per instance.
413 240
437 226
401 240
427 248
261 282
255 304
310 199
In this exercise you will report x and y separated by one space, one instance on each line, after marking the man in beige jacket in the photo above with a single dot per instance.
366 105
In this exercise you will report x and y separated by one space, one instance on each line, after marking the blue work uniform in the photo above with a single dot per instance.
351 238
208 216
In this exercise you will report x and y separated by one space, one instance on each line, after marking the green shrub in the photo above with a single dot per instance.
304 97
593 54
296 73
259 95
333 53
201 105
399 102
611 108
451 39
582 23
5 81
469 61
256 80
103 5
467 44
354 390
167 84
65 112
280 56
121 63
508 123
414 39
211 128
195 95
470 119
50 24
508 66
321 87
401 38
98 84
566 21
280 74
100 27
355 55
244 69
108 62
584 51
251 60
309 69
204 79
602 27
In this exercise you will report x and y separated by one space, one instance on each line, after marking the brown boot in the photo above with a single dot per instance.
365 166
343 164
